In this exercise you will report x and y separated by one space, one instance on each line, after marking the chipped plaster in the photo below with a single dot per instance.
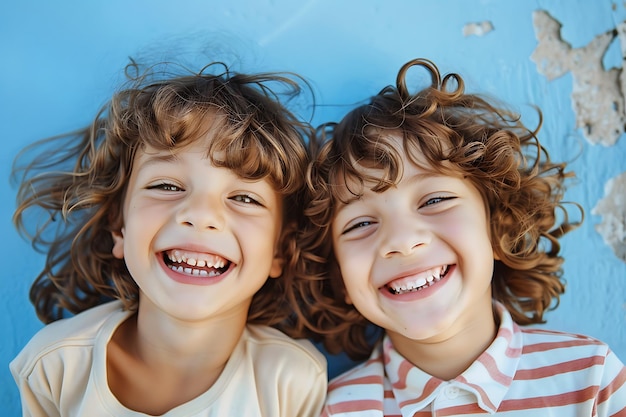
477 28
597 94
612 208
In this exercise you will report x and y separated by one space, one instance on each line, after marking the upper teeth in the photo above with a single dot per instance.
196 259
425 278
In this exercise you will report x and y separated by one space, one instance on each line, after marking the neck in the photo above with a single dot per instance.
167 341
156 362
446 357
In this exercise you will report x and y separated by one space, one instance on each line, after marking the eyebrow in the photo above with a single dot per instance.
420 176
156 158
342 203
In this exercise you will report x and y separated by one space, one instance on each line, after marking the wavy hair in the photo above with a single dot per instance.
457 133
72 187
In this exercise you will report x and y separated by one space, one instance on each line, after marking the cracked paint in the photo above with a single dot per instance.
597 94
612 208
478 28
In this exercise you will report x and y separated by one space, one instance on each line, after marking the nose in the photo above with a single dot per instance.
403 234
201 212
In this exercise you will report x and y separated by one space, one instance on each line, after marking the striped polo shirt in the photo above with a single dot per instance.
524 373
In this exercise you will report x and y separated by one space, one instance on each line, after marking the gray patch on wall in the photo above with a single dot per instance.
597 94
477 28
612 208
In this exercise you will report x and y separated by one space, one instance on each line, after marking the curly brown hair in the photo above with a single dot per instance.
73 186
479 138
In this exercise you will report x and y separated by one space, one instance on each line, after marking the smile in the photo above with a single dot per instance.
417 282
195 264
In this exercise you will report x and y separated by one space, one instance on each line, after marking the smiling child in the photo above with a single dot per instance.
179 203
434 217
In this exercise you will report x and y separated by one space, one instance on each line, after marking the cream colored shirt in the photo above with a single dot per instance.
62 372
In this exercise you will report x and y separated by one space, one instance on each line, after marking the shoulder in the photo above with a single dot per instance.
563 363
552 341
276 358
264 341
290 374
66 336
539 342
562 351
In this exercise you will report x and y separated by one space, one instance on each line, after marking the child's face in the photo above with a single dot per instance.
198 240
416 259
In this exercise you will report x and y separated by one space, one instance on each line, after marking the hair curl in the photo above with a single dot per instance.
74 184
486 143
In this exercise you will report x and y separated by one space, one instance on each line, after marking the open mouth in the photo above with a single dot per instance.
419 282
195 264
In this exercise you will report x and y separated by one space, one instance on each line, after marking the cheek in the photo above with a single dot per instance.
470 225
475 239
355 268
141 227
351 284
343 259
457 222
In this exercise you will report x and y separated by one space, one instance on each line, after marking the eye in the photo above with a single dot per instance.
165 186
246 199
358 225
436 200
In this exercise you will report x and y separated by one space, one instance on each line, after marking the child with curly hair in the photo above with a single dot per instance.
169 225
434 216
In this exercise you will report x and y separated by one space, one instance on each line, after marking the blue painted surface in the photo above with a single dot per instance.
61 60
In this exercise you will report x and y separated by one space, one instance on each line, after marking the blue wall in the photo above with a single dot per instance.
61 60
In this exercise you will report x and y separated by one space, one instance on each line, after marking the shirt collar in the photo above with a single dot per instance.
488 378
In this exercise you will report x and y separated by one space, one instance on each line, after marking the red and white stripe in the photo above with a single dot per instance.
524 373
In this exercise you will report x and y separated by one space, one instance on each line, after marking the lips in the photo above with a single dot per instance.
195 263
417 282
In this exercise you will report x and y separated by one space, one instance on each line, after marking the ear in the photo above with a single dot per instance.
347 299
495 245
276 269
285 240
118 244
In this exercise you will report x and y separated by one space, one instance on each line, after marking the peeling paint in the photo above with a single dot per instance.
597 94
621 35
478 28
612 208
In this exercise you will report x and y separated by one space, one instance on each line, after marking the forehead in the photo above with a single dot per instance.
170 151
382 160
391 156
